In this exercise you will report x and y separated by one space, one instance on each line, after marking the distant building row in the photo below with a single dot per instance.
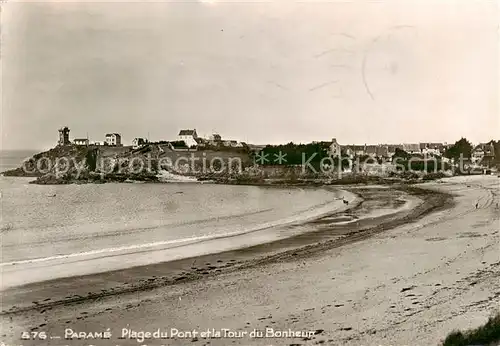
383 150
189 137
111 139
482 154
388 150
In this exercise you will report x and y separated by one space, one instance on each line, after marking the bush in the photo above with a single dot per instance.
295 154
434 176
484 335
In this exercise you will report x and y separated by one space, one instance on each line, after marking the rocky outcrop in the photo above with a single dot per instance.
89 164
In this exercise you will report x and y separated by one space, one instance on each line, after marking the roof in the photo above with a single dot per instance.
392 147
371 149
382 150
256 146
112 134
488 148
187 132
353 147
431 146
80 139
411 147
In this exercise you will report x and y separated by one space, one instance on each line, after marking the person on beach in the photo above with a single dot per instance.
477 204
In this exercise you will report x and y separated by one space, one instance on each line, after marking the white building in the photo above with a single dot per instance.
431 151
189 137
138 142
114 139
215 137
477 155
334 149
81 141
232 143
412 148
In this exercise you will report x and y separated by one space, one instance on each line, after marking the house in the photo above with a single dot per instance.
64 136
435 149
214 140
354 150
98 143
232 143
81 141
138 142
189 137
412 148
334 149
483 154
383 151
256 147
201 142
215 137
371 150
477 155
114 139
391 149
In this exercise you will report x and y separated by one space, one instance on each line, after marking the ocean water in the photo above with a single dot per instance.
61 230
10 159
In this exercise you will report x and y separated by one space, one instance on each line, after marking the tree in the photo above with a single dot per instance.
461 148
401 153
179 144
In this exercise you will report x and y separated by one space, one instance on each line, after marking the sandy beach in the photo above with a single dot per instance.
408 277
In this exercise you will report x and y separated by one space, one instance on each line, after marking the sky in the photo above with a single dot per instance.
260 72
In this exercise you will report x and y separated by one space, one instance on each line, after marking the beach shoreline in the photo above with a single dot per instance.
344 284
151 276
219 234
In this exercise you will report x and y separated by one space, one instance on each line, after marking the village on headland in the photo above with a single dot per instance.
230 161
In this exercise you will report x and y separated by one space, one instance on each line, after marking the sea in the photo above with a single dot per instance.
51 231
11 159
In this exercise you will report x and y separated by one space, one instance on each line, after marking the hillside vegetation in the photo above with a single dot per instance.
488 335
77 164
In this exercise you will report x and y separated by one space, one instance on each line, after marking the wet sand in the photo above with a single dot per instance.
403 278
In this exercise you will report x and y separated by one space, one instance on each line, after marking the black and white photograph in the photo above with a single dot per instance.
261 172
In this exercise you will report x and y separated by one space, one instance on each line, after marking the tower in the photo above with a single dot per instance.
64 136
